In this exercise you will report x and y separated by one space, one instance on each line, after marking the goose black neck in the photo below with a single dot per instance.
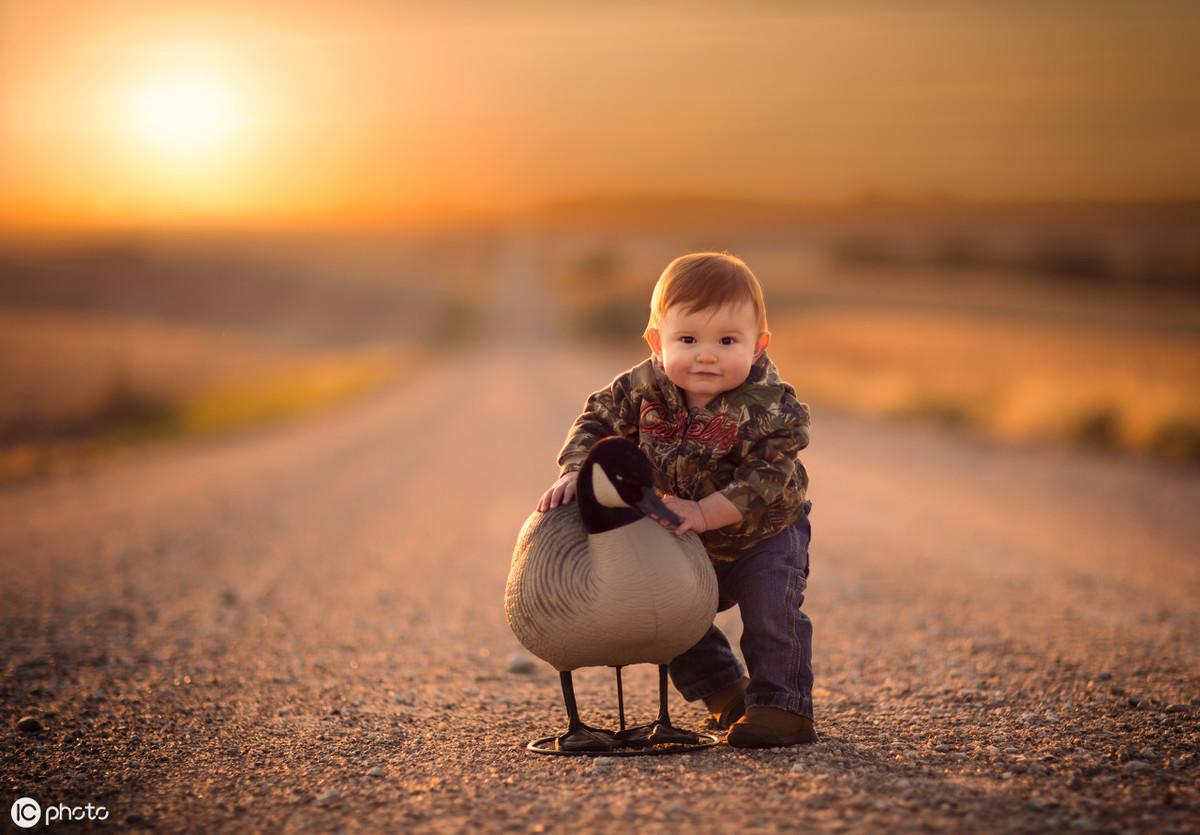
596 517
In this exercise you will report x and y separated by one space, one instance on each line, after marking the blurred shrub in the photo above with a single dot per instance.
957 251
615 319
121 408
130 411
1070 259
597 268
940 411
460 323
603 294
1099 428
1160 267
1178 439
866 251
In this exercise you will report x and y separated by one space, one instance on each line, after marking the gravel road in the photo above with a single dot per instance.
303 630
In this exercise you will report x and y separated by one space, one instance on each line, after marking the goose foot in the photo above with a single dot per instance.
587 738
660 731
580 737
657 733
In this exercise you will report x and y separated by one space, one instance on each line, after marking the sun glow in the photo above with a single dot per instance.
182 115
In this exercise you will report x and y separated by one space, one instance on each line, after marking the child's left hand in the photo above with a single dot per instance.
687 510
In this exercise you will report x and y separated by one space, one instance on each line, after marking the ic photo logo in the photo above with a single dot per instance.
27 813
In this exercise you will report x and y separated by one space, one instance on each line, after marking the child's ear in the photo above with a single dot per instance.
764 339
654 340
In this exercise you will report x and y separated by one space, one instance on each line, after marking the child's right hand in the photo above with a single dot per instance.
561 492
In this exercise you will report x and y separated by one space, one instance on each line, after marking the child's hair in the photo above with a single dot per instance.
704 280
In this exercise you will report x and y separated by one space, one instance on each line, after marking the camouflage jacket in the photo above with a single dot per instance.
744 444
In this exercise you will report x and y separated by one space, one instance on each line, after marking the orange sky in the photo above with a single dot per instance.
137 112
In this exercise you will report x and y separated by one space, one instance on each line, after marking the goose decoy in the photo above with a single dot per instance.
600 582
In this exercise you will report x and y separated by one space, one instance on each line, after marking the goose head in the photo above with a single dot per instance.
616 487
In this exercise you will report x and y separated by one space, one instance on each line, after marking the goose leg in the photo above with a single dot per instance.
580 737
620 699
660 730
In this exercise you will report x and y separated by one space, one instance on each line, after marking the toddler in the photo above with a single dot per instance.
723 432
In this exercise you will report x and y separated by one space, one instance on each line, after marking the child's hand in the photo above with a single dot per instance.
561 492
690 512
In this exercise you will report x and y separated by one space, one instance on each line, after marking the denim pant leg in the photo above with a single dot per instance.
777 635
769 582
709 665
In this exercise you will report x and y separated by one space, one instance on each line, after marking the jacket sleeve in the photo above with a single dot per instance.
609 411
770 471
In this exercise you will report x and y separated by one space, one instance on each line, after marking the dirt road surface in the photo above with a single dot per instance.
303 630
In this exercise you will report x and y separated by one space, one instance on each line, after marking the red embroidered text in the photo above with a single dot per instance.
719 431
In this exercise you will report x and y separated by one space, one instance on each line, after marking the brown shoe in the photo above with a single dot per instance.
728 704
771 727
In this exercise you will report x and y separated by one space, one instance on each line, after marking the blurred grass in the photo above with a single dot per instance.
103 353
1096 387
126 414
306 387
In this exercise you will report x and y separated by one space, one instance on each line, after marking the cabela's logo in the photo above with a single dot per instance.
718 431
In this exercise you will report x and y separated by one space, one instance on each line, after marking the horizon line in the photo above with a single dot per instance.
447 214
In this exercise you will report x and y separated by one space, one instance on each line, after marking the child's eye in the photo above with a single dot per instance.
687 340
727 340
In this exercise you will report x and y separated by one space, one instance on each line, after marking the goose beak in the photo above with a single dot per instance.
653 506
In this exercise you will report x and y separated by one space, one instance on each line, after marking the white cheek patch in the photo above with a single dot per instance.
605 492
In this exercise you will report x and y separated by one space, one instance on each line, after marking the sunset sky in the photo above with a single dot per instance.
143 112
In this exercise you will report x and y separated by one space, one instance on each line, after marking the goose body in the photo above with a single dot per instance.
631 595
598 582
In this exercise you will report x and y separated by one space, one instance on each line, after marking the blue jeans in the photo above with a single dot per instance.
767 583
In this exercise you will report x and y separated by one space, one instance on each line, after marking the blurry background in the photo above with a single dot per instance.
220 215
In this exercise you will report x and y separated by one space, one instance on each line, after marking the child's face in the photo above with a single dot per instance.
707 352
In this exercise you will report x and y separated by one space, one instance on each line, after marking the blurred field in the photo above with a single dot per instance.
1062 328
997 347
1012 379
103 345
